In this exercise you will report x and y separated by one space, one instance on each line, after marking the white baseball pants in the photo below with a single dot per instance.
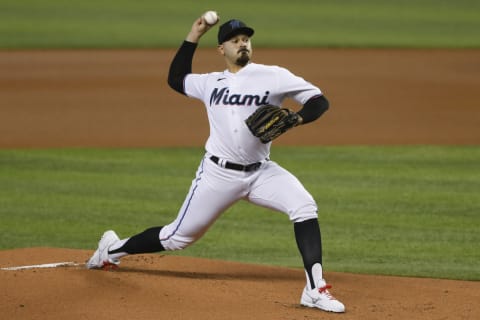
215 189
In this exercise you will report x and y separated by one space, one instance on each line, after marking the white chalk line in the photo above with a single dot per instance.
45 265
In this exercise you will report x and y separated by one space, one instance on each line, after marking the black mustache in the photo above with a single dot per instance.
243 50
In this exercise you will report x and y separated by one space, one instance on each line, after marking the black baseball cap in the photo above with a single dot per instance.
232 28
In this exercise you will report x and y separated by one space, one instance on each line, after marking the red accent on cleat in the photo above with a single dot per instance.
109 266
323 289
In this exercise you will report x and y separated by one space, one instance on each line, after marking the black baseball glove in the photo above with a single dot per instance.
268 122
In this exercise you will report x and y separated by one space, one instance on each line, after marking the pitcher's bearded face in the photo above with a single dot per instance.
244 57
237 50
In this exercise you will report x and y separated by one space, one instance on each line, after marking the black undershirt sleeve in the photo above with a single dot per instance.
314 108
181 66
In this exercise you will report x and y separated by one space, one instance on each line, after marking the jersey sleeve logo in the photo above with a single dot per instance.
222 97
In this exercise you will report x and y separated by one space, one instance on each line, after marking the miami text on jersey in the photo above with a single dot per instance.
222 96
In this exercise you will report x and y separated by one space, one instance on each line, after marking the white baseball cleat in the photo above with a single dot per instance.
321 298
100 259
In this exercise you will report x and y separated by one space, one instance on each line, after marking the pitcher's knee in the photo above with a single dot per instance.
304 213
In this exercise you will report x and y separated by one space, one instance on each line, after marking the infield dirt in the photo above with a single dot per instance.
119 98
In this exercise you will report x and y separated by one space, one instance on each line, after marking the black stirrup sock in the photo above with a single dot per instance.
309 242
146 242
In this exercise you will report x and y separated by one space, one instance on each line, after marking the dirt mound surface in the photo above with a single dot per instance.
171 287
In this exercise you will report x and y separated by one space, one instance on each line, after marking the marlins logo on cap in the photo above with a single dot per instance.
232 28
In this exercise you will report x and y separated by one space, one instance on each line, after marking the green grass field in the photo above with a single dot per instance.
385 210
279 23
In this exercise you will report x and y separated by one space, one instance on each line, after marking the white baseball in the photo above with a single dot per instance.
210 17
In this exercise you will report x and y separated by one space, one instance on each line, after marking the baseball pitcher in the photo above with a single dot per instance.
245 113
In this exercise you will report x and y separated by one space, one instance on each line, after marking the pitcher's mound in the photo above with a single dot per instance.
170 287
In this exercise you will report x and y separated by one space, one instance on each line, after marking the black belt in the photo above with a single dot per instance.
236 166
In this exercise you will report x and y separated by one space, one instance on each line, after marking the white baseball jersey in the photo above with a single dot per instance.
230 98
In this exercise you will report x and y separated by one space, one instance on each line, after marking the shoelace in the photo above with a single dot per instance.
324 290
